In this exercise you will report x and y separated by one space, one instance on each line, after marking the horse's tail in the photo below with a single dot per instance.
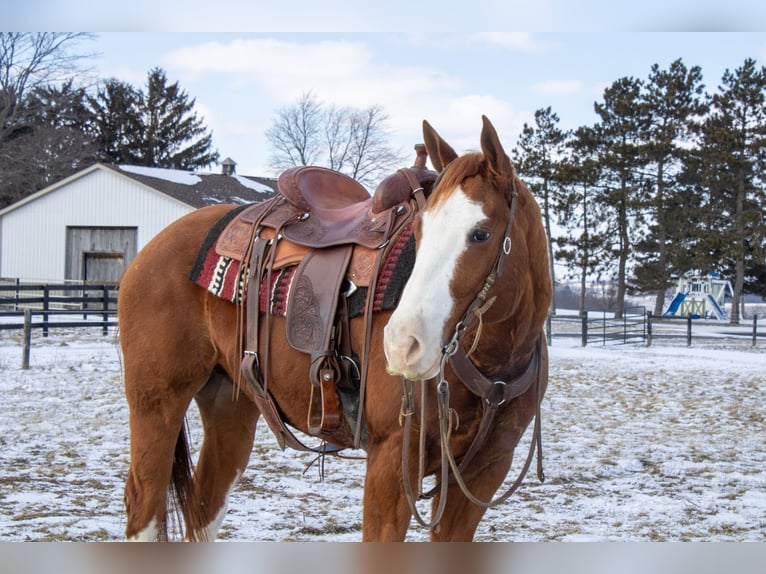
184 497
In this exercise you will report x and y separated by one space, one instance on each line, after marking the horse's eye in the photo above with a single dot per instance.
479 235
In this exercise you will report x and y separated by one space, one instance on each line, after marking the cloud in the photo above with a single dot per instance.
558 87
517 41
458 120
343 72
275 72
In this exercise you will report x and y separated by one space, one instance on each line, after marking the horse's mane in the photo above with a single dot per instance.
463 167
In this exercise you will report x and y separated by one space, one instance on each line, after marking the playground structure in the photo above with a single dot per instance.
700 296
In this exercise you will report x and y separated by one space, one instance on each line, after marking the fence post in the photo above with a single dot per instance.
624 325
584 331
649 317
105 307
689 330
27 338
46 308
755 328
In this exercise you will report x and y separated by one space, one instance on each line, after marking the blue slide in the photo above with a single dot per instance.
674 304
720 314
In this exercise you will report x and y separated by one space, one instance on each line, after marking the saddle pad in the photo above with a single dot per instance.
219 274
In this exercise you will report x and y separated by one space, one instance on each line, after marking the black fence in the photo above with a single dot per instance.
640 326
603 328
47 306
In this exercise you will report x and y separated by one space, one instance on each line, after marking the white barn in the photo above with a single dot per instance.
89 226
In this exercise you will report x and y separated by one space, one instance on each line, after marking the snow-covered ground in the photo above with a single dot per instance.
666 443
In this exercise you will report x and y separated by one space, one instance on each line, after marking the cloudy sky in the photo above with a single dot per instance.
432 69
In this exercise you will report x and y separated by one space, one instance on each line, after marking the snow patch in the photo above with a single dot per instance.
171 175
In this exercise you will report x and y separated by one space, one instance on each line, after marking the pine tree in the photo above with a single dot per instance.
157 128
582 247
536 156
673 99
734 157
619 132
174 136
117 122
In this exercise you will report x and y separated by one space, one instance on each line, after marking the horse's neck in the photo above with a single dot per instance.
514 339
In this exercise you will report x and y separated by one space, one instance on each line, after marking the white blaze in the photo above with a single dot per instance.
413 336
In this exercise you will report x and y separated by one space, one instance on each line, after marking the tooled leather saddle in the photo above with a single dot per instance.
336 235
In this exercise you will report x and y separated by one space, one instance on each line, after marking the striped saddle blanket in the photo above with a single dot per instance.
221 275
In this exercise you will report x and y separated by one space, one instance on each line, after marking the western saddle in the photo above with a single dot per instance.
337 235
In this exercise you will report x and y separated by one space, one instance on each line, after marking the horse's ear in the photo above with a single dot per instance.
440 152
497 160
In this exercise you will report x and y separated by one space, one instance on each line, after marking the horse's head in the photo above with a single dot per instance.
480 222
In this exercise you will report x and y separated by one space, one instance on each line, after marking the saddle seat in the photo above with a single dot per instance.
312 188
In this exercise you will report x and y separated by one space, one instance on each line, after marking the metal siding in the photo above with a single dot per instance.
34 235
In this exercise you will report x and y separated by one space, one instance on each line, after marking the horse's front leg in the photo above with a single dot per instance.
386 514
483 478
461 517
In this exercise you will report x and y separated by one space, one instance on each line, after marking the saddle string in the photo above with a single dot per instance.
479 314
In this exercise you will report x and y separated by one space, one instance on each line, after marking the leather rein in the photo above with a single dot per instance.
494 394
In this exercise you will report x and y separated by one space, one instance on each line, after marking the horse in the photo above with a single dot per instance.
480 280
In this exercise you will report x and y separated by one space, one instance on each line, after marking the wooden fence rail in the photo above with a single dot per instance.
58 305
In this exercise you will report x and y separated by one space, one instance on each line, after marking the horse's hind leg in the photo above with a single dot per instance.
156 424
229 425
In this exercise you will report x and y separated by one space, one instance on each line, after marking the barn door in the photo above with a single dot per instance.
99 254
103 267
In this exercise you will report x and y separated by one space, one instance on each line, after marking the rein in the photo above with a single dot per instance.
494 393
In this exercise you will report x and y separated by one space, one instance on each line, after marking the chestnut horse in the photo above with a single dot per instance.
480 280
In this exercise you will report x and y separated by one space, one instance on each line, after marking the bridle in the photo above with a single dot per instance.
494 394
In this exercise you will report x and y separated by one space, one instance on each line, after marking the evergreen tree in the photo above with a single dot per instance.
173 135
157 128
623 120
537 155
117 122
674 99
732 168
582 247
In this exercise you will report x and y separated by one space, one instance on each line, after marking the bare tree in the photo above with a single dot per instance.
371 156
30 60
337 136
350 140
296 134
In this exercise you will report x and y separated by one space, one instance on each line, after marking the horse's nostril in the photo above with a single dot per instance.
414 350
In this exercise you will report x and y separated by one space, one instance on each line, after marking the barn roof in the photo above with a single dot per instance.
199 189
196 189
